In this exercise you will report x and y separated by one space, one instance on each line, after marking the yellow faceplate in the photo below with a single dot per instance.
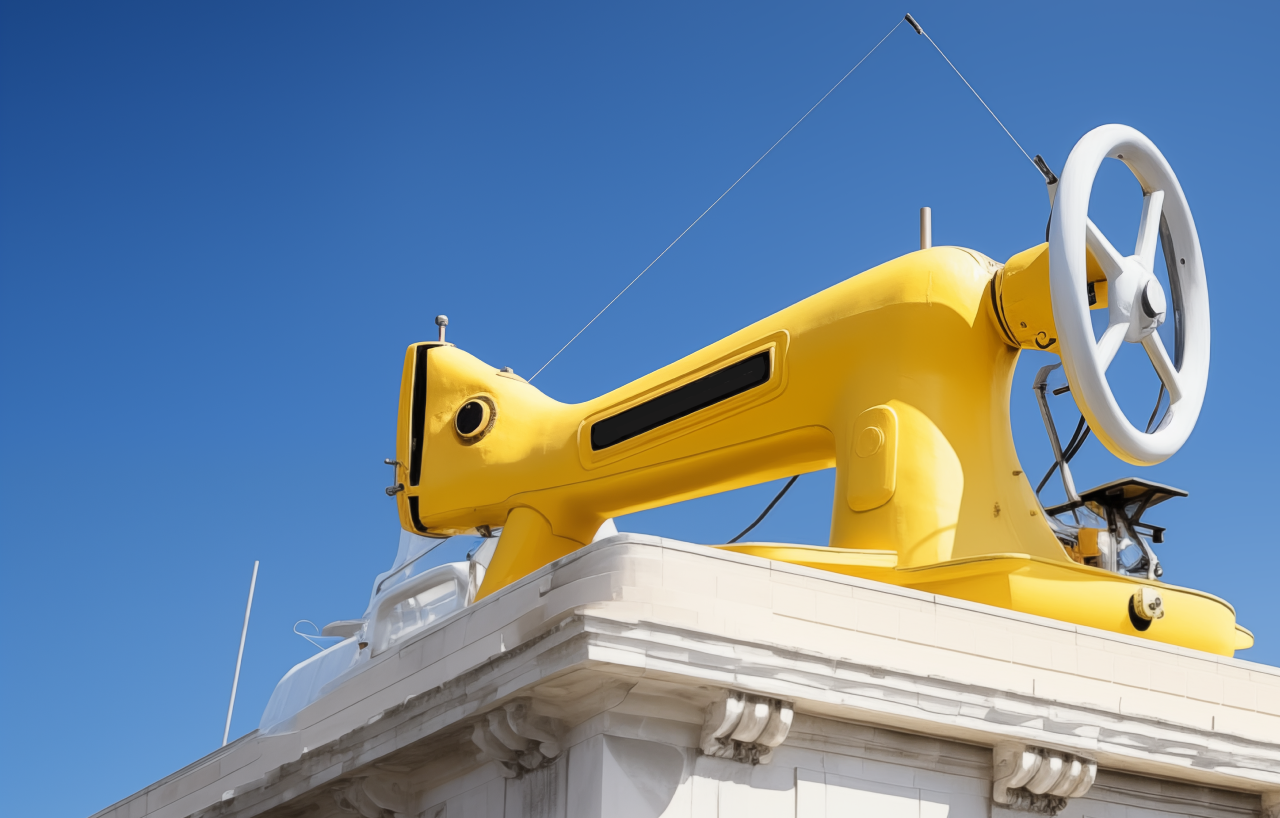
899 378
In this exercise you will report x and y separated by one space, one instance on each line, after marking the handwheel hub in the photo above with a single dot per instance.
1153 302
1146 304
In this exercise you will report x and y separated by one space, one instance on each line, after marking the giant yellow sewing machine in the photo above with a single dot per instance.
899 378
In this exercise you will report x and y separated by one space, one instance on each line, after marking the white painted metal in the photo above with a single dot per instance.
1136 301
235 681
926 228
410 606
308 681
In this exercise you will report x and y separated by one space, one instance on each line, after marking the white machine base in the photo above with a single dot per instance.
644 677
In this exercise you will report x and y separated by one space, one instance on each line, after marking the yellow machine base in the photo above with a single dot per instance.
1077 593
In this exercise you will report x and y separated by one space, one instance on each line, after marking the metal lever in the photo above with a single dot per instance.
398 487
1041 385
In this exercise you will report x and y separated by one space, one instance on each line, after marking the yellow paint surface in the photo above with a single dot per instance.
898 378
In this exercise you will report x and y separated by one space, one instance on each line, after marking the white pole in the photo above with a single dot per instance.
926 228
243 633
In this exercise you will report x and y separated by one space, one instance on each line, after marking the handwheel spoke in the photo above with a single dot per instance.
1109 345
1164 365
1108 257
1149 229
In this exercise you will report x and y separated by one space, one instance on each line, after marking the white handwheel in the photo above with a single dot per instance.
1136 302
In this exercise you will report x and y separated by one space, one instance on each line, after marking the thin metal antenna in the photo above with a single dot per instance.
236 680
926 228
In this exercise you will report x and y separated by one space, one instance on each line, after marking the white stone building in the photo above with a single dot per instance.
641 677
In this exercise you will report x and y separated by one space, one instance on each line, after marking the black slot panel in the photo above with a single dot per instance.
706 391
417 414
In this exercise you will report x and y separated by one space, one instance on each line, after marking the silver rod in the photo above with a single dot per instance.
926 228
1040 386
239 656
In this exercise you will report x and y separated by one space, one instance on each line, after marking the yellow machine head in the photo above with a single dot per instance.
899 379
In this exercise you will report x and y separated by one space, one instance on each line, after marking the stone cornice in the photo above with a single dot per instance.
687 625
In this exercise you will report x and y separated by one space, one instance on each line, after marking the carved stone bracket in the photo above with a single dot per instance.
370 797
517 738
1271 805
1038 780
745 728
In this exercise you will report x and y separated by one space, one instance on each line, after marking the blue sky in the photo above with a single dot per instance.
220 225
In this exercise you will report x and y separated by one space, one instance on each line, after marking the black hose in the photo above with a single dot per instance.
767 509
1073 446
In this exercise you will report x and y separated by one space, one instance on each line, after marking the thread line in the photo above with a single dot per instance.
979 96
718 198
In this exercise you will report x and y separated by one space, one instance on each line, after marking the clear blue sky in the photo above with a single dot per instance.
221 224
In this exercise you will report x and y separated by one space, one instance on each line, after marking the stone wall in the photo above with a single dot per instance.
826 769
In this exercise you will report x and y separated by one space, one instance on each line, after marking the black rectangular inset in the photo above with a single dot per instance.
706 391
417 413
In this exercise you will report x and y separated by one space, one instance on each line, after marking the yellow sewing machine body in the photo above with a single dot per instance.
899 378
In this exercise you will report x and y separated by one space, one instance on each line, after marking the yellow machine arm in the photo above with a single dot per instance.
899 378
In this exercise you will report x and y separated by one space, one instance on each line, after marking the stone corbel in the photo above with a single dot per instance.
1271 805
371 797
1039 780
745 728
517 738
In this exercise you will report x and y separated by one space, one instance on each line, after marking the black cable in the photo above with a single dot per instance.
1078 439
767 509
1073 446
1071 450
